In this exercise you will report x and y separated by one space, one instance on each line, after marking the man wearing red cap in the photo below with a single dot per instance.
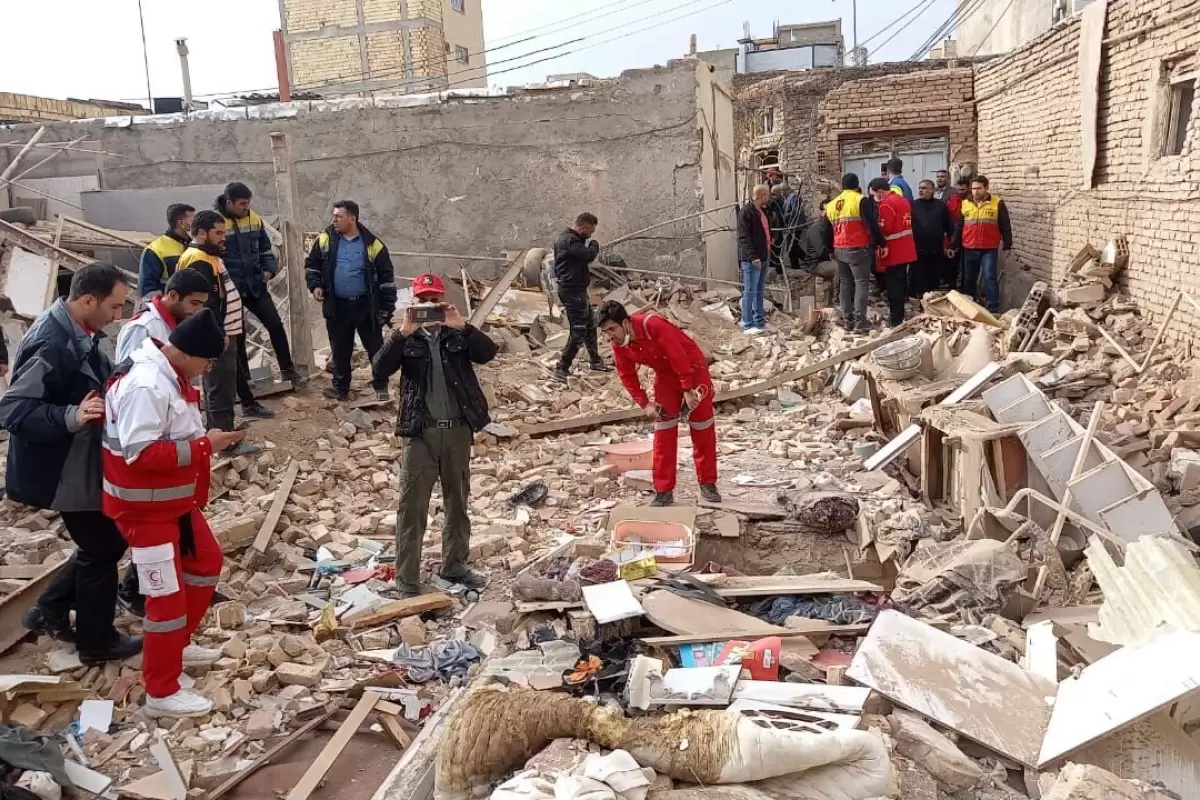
682 388
441 406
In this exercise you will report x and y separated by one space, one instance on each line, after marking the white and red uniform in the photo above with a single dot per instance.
152 322
679 366
156 480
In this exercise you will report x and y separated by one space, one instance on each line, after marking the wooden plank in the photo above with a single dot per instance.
675 641
281 497
688 617
288 203
391 726
956 684
345 732
114 235
398 609
22 572
480 314
814 696
1119 690
758 586
612 417
751 510
16 605
233 780
412 777
33 244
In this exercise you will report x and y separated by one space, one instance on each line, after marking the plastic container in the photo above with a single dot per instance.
671 543
630 456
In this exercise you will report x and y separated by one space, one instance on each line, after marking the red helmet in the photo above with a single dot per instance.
427 283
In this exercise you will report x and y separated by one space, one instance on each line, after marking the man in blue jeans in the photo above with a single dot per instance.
982 230
754 255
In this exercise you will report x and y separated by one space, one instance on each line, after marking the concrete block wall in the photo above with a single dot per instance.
29 108
477 176
1031 148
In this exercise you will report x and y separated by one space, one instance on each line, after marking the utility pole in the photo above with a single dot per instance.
287 195
182 48
146 59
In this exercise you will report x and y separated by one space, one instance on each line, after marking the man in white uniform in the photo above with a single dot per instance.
185 295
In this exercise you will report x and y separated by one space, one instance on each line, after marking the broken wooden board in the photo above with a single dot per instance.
398 609
258 763
333 748
787 634
162 785
263 539
763 586
612 417
1115 692
484 309
16 605
750 510
956 684
412 777
391 726
688 617
812 696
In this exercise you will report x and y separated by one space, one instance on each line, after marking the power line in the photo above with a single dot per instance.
995 24
890 25
928 4
960 15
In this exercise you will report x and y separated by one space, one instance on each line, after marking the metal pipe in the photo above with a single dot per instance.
182 48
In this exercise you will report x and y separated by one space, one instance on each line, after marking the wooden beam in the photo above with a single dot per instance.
287 196
317 771
1077 468
16 605
24 151
53 155
27 241
480 314
116 237
398 609
832 630
611 417
233 780
391 726
413 776
281 497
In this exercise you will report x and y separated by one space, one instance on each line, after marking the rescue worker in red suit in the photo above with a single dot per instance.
895 222
681 380
156 479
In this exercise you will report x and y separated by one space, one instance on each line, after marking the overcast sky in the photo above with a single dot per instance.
93 48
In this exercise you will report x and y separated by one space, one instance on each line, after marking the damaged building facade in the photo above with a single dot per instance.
471 173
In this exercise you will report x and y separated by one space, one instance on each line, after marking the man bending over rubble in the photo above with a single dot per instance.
680 376
441 407
156 480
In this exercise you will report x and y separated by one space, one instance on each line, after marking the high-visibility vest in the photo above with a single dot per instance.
156 466
981 224
168 249
845 213
373 249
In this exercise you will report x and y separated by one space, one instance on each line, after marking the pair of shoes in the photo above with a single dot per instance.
121 648
469 578
257 410
663 499
43 624
709 492
600 366
753 331
561 373
242 449
336 394
134 604
184 703
293 377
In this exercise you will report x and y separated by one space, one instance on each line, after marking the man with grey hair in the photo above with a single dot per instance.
754 256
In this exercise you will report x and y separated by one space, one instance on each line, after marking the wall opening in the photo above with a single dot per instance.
766 122
1179 115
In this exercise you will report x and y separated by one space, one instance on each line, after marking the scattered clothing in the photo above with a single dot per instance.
835 609
23 749
444 660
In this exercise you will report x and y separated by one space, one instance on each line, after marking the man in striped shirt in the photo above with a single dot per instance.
227 379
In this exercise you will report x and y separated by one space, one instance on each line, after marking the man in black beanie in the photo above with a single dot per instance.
156 480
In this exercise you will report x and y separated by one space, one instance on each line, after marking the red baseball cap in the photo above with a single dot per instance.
427 283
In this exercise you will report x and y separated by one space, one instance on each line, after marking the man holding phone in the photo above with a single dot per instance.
441 407
349 272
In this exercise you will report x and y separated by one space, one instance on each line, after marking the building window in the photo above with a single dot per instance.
461 54
447 45
1179 116
766 122
459 5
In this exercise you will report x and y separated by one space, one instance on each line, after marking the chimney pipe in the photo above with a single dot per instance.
692 46
281 69
182 48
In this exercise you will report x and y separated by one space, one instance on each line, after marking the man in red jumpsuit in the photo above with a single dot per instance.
681 381
156 479
895 222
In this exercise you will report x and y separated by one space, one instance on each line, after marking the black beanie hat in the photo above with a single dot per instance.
199 336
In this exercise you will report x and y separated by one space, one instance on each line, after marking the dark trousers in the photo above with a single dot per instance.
245 392
263 307
895 281
927 274
350 317
88 581
223 383
583 326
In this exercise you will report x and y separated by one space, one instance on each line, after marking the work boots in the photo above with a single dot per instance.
43 624
293 377
600 366
469 578
121 648
663 499
257 410
709 492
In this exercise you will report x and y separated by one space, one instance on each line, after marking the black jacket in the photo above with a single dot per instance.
818 240
248 252
931 225
753 244
572 255
53 463
410 356
381 277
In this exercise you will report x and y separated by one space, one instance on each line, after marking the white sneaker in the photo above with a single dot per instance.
184 703
196 656
753 331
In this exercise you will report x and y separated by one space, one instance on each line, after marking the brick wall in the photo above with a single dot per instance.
1030 147
319 62
816 111
311 15
28 108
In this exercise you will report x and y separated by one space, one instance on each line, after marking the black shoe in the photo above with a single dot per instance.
336 394
407 594
709 492
242 449
44 624
663 499
383 395
561 374
122 647
600 366
217 597
293 377
134 604
470 579
257 410
863 329
847 323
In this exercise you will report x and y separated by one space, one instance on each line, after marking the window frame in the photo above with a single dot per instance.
461 54
459 5
1175 133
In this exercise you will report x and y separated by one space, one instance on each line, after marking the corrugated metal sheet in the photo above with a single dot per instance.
1158 589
